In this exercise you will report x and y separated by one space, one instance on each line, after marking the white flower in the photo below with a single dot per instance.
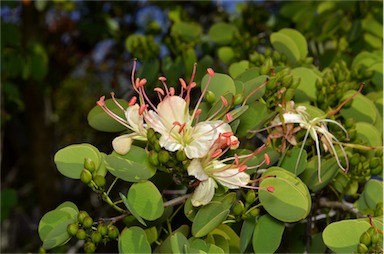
211 173
173 121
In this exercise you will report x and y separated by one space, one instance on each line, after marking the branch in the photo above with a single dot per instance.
345 207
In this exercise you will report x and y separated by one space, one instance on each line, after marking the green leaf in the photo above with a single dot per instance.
250 119
99 120
70 160
361 109
290 200
189 210
148 70
226 54
298 39
179 243
285 45
289 162
237 68
208 218
222 33
229 235
306 91
252 80
188 31
329 169
70 208
343 236
146 199
373 193
132 209
219 85
267 235
58 235
131 167
133 240
246 233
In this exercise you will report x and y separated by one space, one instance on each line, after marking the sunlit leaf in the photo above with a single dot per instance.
267 234
133 240
222 33
207 218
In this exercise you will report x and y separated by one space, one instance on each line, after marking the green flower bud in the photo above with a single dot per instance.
113 232
96 237
379 153
238 208
87 222
287 80
276 56
254 211
89 247
102 229
367 73
362 248
99 180
295 82
349 123
89 164
379 209
250 197
354 160
374 162
239 98
264 70
180 155
320 98
308 60
72 229
210 97
151 134
81 234
153 158
267 52
365 238
163 156
352 133
375 237
85 176
81 215
42 250
156 146
319 84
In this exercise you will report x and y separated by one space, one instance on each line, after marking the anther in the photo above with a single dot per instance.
132 101
210 72
101 102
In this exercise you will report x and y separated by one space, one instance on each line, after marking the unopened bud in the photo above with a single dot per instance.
362 248
102 229
89 164
72 229
209 97
99 180
96 237
238 208
81 234
254 211
81 215
239 98
150 134
180 155
153 158
89 247
113 232
85 176
287 80
365 238
250 197
163 156
87 222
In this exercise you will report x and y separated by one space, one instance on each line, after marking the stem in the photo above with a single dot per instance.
115 219
176 201
111 186
106 198
323 202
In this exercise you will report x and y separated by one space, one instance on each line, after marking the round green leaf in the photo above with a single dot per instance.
70 160
306 91
246 233
146 199
58 235
50 220
285 45
226 54
373 193
189 210
370 134
188 31
237 68
362 109
252 80
70 208
208 218
100 121
131 167
343 236
290 200
329 169
133 240
179 243
222 33
230 237
290 160
267 234
298 39
219 85
249 120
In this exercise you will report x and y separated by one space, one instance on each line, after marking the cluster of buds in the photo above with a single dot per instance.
172 130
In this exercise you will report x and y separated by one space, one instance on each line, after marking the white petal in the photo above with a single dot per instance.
195 169
122 144
292 118
173 109
134 119
232 178
203 193
169 143
198 148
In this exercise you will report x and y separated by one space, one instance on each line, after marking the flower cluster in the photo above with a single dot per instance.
202 141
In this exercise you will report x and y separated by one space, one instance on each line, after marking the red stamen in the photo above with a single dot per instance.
210 72
183 84
132 101
267 159
159 90
227 134
142 82
242 168
162 79
142 108
101 102
229 117
271 189
225 102
216 153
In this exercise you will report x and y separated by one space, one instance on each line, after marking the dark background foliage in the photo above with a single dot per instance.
59 57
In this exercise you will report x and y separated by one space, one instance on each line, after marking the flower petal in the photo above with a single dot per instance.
173 109
122 144
203 193
135 120
195 169
232 178
169 143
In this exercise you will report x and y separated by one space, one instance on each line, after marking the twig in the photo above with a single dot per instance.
176 201
345 207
